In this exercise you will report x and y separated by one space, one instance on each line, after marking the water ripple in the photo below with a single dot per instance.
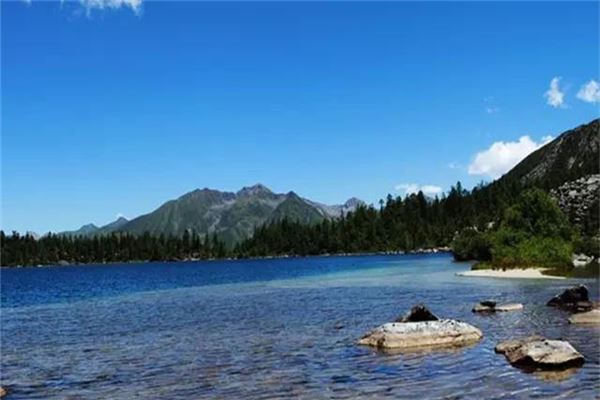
291 335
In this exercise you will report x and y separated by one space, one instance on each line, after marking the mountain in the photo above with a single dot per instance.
85 230
572 155
336 211
298 209
91 229
568 169
113 226
233 216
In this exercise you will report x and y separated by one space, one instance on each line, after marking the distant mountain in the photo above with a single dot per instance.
91 229
85 230
336 211
572 155
113 226
233 216
298 209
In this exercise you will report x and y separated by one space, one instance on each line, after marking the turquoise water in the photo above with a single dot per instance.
271 329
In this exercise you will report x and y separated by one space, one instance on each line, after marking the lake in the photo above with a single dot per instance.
276 328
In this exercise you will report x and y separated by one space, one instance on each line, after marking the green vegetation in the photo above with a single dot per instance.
52 249
533 233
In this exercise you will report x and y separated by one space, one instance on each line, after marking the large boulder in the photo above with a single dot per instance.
418 313
586 318
575 298
410 335
536 352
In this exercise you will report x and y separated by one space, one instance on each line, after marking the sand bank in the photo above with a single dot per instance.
528 273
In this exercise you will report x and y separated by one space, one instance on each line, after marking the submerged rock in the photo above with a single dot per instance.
586 318
572 298
407 335
537 352
490 306
418 313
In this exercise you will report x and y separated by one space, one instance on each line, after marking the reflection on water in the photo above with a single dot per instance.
556 376
271 329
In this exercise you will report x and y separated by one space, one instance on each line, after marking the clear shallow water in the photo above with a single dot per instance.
270 329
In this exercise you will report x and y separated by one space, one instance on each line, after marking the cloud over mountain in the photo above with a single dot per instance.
500 157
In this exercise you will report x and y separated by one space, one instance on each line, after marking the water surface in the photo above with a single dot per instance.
271 329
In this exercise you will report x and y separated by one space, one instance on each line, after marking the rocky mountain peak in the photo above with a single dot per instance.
353 202
254 190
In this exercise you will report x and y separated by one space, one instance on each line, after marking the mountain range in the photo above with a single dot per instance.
232 216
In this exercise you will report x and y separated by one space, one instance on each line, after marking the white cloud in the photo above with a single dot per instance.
491 109
554 96
500 157
135 5
590 92
412 188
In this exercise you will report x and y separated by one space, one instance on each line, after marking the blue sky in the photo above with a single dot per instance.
114 110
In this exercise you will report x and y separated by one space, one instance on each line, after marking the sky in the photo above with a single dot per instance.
112 107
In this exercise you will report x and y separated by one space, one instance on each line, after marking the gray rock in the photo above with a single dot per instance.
426 334
485 306
570 298
509 307
537 352
576 198
581 260
586 318
418 313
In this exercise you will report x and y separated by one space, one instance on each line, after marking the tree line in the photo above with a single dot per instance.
457 219
399 224
25 250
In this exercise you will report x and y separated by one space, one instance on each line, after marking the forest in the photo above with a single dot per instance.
398 224
503 225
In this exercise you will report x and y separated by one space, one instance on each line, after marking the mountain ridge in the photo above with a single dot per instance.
232 216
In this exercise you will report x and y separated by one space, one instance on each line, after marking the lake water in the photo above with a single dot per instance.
271 329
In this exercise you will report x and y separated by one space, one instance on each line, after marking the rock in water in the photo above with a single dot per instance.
410 335
418 313
537 352
3 391
570 297
485 306
586 318
509 307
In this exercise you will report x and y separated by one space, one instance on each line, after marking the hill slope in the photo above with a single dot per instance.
572 155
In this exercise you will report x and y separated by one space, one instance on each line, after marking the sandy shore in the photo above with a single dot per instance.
528 273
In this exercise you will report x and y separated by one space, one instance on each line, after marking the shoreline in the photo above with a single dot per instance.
526 273
434 250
